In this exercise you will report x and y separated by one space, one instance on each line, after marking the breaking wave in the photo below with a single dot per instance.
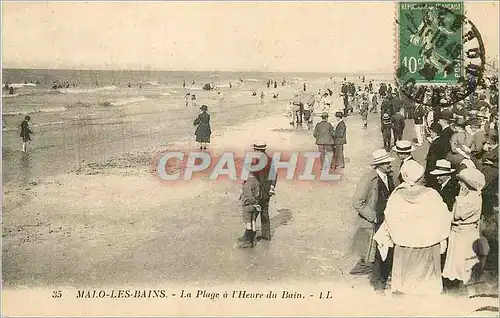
126 101
85 90
41 110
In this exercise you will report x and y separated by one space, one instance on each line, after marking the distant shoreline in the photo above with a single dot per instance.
332 74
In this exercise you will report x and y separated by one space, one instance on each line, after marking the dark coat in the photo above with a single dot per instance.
430 163
323 132
398 122
25 131
267 177
203 130
340 134
418 115
450 192
443 145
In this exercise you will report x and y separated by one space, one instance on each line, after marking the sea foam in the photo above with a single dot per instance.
85 90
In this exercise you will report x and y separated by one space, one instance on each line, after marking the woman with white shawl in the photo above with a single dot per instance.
465 235
417 223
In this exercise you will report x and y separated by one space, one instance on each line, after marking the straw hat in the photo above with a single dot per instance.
403 146
412 171
380 156
386 116
443 167
260 145
473 178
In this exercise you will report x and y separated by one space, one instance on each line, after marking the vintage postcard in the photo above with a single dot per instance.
251 158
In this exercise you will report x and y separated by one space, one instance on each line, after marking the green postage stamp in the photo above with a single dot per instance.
430 43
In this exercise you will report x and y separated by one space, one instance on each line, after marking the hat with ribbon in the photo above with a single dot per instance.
381 156
403 146
260 145
443 167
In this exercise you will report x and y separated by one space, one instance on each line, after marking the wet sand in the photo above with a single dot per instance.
113 223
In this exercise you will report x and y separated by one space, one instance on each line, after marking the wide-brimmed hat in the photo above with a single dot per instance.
412 171
443 166
403 146
473 178
203 107
381 156
259 145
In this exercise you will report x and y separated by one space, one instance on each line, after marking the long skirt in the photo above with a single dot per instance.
417 270
461 258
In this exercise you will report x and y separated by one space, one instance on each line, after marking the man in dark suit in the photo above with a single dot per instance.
489 167
448 186
443 146
339 139
323 132
370 200
398 125
431 158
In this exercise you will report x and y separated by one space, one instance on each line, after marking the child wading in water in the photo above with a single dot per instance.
25 133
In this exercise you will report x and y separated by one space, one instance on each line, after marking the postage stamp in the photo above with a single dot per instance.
430 42
440 52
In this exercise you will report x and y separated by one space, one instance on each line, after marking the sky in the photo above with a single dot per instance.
221 36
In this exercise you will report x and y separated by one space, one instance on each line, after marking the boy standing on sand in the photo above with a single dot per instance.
250 198
25 133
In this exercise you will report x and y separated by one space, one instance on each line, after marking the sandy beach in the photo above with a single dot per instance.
94 213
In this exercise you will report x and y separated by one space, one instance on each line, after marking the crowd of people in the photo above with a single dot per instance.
432 228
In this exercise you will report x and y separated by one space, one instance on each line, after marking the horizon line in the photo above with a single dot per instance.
372 72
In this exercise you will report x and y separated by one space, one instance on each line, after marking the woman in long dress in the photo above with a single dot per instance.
464 237
417 223
203 130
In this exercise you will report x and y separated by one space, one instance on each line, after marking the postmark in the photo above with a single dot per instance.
441 55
